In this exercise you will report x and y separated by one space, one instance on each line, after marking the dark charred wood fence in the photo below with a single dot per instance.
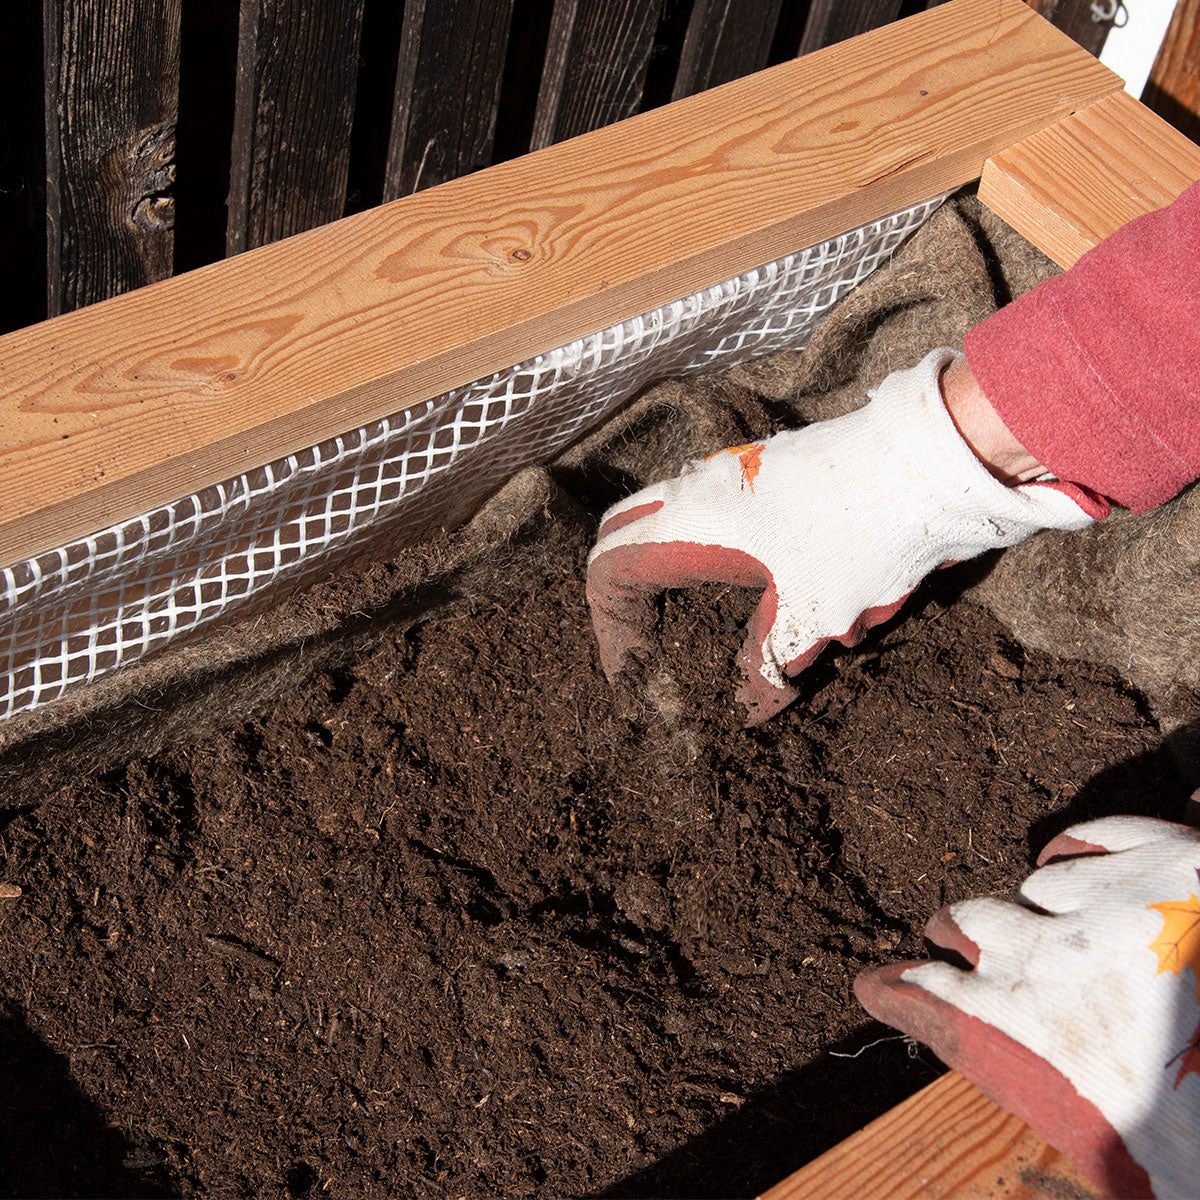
140 138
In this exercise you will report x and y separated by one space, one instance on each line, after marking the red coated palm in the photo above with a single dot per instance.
1080 1010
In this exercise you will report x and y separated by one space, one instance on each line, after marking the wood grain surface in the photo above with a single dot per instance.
1077 20
948 1142
596 59
1069 186
110 410
1173 89
291 159
447 91
725 40
112 102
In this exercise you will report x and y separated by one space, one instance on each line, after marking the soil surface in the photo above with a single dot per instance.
457 921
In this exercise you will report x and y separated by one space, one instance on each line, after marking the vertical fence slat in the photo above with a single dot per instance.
595 66
725 40
832 21
112 101
297 72
1173 90
22 172
447 91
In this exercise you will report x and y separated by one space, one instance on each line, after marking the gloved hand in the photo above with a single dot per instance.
837 523
1082 1012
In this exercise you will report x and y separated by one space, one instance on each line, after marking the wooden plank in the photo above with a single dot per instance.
112 101
1073 17
106 412
447 91
832 21
1077 19
595 69
948 1142
297 70
22 171
1173 89
725 40
1069 186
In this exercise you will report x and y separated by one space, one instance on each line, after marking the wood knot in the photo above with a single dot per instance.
151 175
155 214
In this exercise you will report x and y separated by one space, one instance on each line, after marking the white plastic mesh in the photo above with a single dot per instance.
73 614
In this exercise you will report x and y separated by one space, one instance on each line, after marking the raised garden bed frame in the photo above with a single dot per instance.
113 409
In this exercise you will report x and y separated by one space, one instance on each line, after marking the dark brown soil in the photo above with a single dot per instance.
455 922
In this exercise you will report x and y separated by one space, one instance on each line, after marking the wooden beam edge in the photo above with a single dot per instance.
1067 187
108 412
948 1142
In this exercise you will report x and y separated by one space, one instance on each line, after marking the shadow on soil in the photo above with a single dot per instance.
781 1127
806 1111
53 1140
1131 788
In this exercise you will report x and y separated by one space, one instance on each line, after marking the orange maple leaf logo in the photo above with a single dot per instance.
1189 1060
1177 947
749 457
1178 944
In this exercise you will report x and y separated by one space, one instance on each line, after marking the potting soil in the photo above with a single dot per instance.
388 893
456 919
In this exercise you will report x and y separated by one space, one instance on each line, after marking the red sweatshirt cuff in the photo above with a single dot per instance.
1097 371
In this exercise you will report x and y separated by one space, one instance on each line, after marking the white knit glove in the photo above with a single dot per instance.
1082 1012
837 523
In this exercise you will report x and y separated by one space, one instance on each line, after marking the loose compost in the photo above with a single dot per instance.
456 920
446 915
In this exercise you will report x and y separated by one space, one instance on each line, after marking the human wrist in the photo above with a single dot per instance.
980 426
961 504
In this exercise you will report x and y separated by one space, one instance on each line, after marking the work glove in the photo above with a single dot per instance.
1081 1013
836 523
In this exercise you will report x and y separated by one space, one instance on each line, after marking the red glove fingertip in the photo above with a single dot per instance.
885 994
942 930
621 519
1008 1073
1066 846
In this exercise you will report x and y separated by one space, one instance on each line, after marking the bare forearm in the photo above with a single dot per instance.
983 430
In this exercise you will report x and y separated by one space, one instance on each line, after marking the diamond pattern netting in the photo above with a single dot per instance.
75 613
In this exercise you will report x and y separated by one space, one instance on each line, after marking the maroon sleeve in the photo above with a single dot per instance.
1097 371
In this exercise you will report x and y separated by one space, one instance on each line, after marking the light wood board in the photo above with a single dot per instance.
1069 186
948 1142
109 411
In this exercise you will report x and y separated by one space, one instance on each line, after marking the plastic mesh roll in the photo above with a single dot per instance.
72 614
